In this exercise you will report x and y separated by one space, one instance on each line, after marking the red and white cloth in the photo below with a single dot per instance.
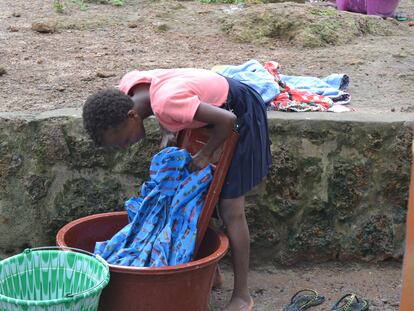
290 99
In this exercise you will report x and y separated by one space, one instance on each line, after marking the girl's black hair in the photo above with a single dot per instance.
103 110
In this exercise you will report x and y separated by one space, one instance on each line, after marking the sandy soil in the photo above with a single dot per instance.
273 287
47 71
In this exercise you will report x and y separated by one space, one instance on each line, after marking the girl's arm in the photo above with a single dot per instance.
223 121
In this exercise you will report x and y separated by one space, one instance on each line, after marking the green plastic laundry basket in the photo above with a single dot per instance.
52 279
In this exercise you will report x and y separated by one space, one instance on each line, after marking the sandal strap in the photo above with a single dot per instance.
347 304
302 291
364 302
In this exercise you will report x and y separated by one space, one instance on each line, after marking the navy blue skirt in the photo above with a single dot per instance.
252 157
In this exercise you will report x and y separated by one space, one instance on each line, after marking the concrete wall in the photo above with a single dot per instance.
337 189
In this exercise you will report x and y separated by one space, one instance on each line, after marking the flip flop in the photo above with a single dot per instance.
350 302
304 299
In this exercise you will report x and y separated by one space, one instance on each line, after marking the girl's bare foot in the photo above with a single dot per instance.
240 304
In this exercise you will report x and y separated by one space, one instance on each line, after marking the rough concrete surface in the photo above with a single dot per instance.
336 190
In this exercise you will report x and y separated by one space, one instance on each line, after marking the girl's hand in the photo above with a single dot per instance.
168 140
199 161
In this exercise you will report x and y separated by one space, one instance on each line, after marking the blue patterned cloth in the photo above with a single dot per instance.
254 75
163 221
331 86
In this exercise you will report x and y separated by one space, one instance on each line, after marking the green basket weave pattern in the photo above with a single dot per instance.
52 280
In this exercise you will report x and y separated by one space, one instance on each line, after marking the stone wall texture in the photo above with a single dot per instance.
337 189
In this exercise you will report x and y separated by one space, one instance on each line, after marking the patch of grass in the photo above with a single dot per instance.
81 4
301 25
58 6
88 24
323 12
117 2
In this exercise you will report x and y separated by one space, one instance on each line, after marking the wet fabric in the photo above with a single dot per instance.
253 74
163 220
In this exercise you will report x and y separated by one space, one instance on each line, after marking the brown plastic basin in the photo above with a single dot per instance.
184 287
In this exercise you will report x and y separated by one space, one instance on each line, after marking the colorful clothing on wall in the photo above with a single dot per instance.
291 93
253 74
333 86
291 99
304 94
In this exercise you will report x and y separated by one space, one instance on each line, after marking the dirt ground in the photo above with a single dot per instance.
94 48
273 287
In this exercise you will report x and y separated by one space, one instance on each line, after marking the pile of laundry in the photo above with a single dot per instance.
162 225
291 93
